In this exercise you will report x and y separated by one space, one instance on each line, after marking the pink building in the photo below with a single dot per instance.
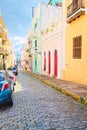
53 51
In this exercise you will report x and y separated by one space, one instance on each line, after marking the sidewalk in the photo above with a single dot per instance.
76 91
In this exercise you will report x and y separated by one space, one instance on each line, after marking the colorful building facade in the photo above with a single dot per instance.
6 48
44 18
52 54
3 39
52 46
36 41
75 13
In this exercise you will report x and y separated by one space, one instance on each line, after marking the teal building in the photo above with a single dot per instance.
54 2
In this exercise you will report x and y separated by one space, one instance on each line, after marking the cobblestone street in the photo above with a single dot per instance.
40 107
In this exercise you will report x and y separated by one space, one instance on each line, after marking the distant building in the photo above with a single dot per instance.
25 57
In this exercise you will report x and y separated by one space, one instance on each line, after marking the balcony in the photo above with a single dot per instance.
30 55
4 38
75 9
1 32
3 51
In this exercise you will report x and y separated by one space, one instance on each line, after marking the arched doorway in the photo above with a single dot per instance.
55 63
44 61
49 62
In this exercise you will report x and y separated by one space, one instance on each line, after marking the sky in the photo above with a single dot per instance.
17 16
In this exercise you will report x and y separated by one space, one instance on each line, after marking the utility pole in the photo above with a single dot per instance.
32 12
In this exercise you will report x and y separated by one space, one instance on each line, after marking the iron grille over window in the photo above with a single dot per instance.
77 45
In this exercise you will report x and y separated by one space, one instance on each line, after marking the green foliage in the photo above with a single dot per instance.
9 68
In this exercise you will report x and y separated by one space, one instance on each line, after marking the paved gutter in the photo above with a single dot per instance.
60 89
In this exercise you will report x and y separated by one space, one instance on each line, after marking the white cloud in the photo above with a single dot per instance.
18 43
19 40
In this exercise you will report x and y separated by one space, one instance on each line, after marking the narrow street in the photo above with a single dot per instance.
40 107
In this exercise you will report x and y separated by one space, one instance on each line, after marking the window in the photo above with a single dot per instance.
36 63
77 45
35 43
35 27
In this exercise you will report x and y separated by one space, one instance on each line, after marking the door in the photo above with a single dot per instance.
44 61
55 63
49 62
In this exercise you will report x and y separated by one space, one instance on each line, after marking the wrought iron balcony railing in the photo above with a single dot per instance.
74 6
3 51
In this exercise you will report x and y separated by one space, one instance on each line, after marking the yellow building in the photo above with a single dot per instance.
6 47
3 38
75 15
10 58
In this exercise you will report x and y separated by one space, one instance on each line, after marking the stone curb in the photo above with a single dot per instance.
66 92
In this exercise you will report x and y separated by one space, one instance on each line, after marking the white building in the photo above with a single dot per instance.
52 52
46 19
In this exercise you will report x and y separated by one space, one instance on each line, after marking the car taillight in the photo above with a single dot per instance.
12 77
5 86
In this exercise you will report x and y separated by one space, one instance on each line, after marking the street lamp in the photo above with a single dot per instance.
37 51
32 12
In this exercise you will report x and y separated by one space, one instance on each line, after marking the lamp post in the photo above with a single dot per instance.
32 12
37 51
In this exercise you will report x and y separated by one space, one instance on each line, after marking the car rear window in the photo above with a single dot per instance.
2 76
13 68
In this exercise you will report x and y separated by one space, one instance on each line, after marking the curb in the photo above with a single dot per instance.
65 92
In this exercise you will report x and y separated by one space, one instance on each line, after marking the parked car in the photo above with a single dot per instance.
6 89
11 76
15 70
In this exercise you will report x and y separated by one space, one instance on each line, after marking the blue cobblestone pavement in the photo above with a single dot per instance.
40 107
